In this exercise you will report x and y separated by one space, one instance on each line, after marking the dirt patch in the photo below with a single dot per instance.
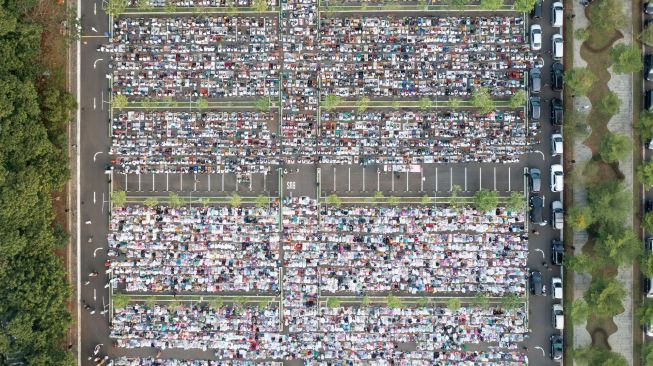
600 338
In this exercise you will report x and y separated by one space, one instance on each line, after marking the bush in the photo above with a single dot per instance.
119 102
486 200
151 201
609 104
362 104
453 304
645 174
518 100
174 200
605 297
524 6
119 198
491 4
644 125
579 217
483 101
626 58
454 102
334 200
424 103
262 201
596 355
581 34
609 201
579 263
615 147
579 80
579 310
120 301
516 202
646 265
394 302
260 5
235 200
606 16
647 222
647 35
262 104
116 7
617 243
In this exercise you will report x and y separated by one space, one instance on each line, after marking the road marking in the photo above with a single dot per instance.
181 181
465 179
265 178
480 178
139 182
167 182
364 179
94 295
393 178
95 155
95 62
250 181
153 190
93 29
236 183
421 178
126 187
95 251
508 179
436 179
495 178
378 180
94 8
194 182
407 174
209 175
94 102
93 197
349 179
222 181
334 179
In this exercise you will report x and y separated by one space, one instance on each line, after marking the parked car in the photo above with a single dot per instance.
536 37
649 244
557 46
648 7
556 288
649 288
557 318
535 179
557 180
557 15
536 111
536 283
537 206
536 80
648 206
648 101
557 215
648 67
556 144
557 252
536 13
556 347
556 112
649 329
557 75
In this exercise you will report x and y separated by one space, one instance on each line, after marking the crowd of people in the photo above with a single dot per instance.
192 57
201 142
198 3
423 56
194 249
125 361
411 137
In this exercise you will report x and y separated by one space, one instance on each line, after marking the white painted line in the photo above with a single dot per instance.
265 181
364 179
407 174
95 155
378 180
236 183
94 295
480 178
421 178
94 102
465 179
95 251
222 181
94 197
334 179
194 182
349 179
181 181
436 179
139 182
167 181
126 188
393 178
209 186
94 8
153 190
509 180
495 179
95 62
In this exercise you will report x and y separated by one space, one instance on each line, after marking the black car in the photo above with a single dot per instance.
537 205
556 347
537 10
556 112
536 283
648 206
648 67
557 74
648 7
648 101
557 252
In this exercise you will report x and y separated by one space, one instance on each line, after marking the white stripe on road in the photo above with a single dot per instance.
509 179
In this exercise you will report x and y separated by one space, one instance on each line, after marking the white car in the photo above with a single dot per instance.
536 37
557 215
557 317
556 46
556 14
556 288
557 181
649 330
556 144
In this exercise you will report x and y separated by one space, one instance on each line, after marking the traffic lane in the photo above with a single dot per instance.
94 17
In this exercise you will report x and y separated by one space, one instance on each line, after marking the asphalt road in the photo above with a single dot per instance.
436 179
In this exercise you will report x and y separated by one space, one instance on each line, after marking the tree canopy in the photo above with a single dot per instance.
486 200
609 201
609 104
579 80
606 15
598 356
645 174
626 58
615 147
579 217
605 296
644 125
518 100
491 4
524 6
483 101
618 243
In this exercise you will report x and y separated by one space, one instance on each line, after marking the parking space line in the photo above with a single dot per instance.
222 181
167 182
334 178
450 179
495 178
194 182
126 186
378 179
465 179
421 179
349 179
181 181
236 183
436 179
250 181
480 178
363 179
509 179
139 182
209 175
153 190
407 174
265 178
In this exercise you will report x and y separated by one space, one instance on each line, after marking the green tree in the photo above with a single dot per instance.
202 103
483 101
454 102
453 197
235 200
394 302
262 201
120 301
606 16
334 200
524 6
116 7
619 244
423 302
645 312
647 222
605 297
579 217
151 201
609 201
599 356
481 300
647 35
378 198
579 310
491 4
580 263
516 202
486 200
453 304
262 104
457 4
645 174
579 80
511 301
518 100
260 5
647 354
393 201
144 5
425 199
644 125
119 102
626 58
423 4
204 201
119 198
174 200
366 301
646 264
216 303
581 34
396 104
362 104
169 7
332 102
424 104
333 302
615 147
609 104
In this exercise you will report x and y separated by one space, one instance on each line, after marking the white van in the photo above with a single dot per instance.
556 14
557 318
556 46
649 288
556 288
556 178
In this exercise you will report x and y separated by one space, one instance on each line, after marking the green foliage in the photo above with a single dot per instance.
645 174
334 200
119 198
174 200
116 7
645 312
216 303
119 102
605 296
453 198
144 5
173 305
366 301
491 4
454 102
235 200
394 302
646 265
617 243
524 6
598 356
362 104
169 7
457 4
151 201
483 101
378 198
425 199
580 263
262 104
393 201
609 104
453 304
609 201
647 35
581 34
615 147
332 102
626 58
260 5
606 16
516 202
647 222
579 310
644 125
647 354
575 124
579 80
486 200
120 301
262 201
482 301
424 103
202 103
333 302
423 302
579 217
263 304
240 302
518 100
511 301
423 4
396 104
204 201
